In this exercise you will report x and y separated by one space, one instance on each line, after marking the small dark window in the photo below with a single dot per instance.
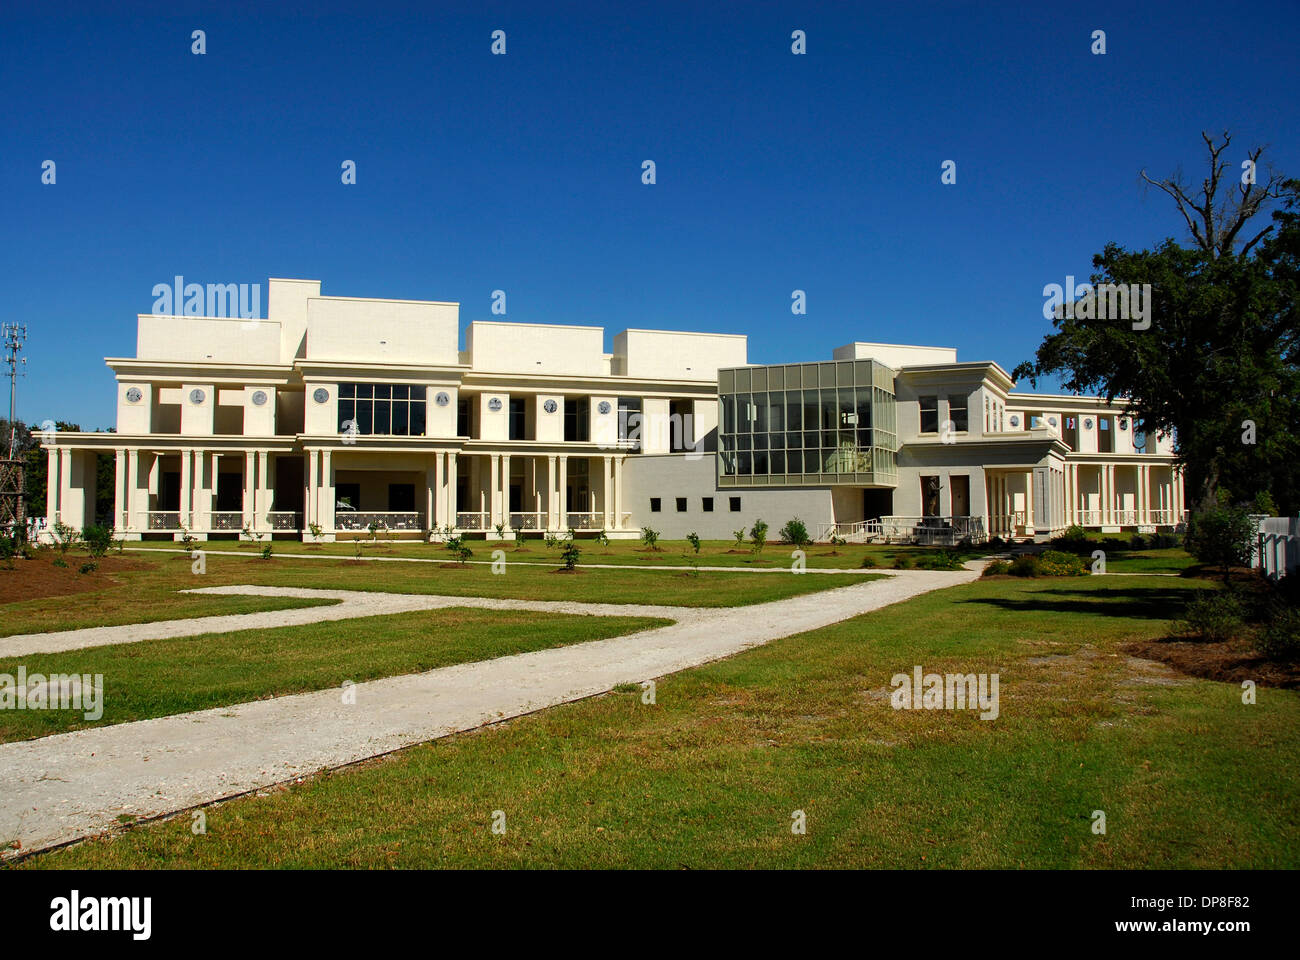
681 504
708 504
734 503
655 504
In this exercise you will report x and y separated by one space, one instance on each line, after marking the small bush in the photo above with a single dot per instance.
1280 638
758 535
939 560
693 539
740 536
796 532
90 566
997 568
1025 565
1057 563
602 539
1222 537
1213 615
570 553
868 563
266 551
902 563
551 540
650 537
98 539
457 547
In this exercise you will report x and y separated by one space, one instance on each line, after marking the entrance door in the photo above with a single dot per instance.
960 495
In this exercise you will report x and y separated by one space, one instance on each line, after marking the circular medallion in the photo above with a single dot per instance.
550 406
1087 424
259 398
1123 424
603 407
494 404
321 395
1015 421
197 396
1052 421
442 399
133 395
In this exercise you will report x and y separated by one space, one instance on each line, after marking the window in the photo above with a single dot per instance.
958 414
707 505
518 418
462 417
577 419
733 504
381 409
681 504
401 496
929 414
655 504
629 421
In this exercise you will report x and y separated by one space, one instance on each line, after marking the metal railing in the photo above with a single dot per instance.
284 520
227 520
391 520
585 520
163 519
471 520
527 520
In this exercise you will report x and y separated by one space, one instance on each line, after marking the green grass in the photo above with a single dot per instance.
158 678
709 776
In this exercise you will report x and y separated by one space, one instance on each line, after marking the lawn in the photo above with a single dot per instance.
711 773
158 678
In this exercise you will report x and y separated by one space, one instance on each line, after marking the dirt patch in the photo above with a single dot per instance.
33 579
562 570
1230 662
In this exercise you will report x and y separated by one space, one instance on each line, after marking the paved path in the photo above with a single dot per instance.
61 788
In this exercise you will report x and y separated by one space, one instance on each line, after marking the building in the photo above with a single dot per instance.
338 415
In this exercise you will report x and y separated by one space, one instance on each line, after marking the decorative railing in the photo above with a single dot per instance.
585 520
227 520
860 532
284 520
164 519
470 520
391 520
527 520
1007 524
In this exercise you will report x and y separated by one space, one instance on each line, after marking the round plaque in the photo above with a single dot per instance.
1015 421
197 396
133 395
1087 424
603 407
1052 421
494 404
442 399
550 406
259 398
321 395
1123 424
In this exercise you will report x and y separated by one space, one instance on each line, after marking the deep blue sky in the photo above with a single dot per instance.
476 172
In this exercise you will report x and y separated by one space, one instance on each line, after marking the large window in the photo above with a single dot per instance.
577 419
630 426
958 414
381 409
929 414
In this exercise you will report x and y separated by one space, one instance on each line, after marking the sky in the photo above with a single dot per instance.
522 172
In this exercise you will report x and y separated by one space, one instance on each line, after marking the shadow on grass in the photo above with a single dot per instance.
1147 603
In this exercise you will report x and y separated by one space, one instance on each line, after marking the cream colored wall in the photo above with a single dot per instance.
382 331
656 429
206 340
895 355
440 421
134 418
196 418
604 427
258 421
286 304
494 425
655 354
535 348
321 419
549 427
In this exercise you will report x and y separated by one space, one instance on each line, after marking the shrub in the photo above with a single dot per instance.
740 536
650 537
570 553
758 535
939 560
1137 542
1212 615
551 540
1056 563
902 563
90 566
8 549
1025 565
795 531
602 539
457 547
98 539
837 540
1221 537
868 562
1280 638
501 531
996 568
266 551
64 537
693 539
316 531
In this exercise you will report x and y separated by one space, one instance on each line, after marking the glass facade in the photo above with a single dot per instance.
807 424
381 409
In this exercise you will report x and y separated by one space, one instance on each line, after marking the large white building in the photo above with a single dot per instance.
336 413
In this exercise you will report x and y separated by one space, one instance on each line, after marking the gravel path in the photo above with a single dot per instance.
61 788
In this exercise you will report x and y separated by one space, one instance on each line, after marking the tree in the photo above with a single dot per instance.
1222 537
1217 367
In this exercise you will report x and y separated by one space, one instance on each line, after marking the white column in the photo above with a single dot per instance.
326 499
133 498
431 506
561 502
250 488
52 487
494 490
119 490
551 514
187 489
505 489
618 493
453 481
264 489
606 501
310 513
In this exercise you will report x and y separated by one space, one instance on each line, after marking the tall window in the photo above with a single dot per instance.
518 418
381 409
629 420
929 414
958 413
577 419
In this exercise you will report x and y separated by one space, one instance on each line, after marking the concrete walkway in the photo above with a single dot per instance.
61 788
